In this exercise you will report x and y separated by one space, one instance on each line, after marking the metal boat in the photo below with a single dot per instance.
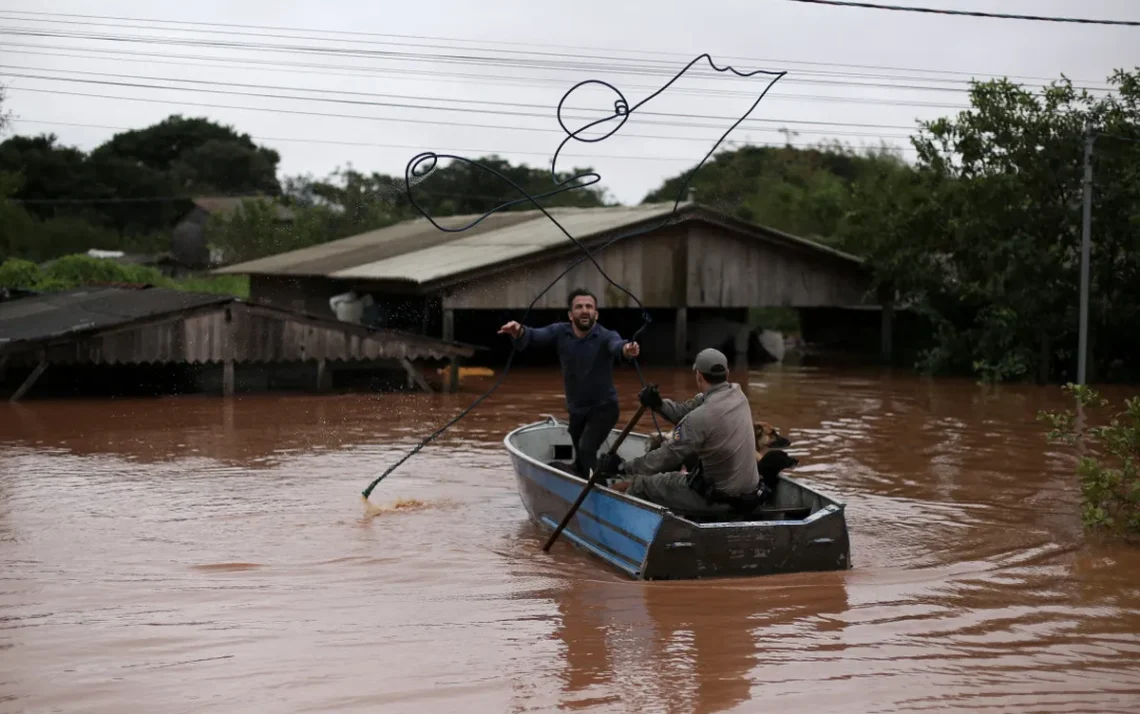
799 529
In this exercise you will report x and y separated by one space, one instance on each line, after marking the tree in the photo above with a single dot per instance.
47 172
808 192
1004 233
199 156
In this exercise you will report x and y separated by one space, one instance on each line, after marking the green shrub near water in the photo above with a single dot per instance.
73 271
1110 477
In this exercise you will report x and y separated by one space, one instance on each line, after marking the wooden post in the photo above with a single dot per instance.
414 375
453 364
35 375
228 357
324 376
681 335
886 329
740 345
887 323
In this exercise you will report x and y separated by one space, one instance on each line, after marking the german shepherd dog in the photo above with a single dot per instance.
767 438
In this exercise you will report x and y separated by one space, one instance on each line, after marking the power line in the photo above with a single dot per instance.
970 13
805 97
498 44
402 56
604 64
465 125
482 78
415 147
914 83
488 102
486 79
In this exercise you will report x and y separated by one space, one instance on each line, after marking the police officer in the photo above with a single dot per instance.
716 427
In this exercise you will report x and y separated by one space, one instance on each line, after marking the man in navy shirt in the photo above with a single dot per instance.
587 352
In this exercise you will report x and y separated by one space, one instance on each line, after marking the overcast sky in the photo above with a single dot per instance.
486 76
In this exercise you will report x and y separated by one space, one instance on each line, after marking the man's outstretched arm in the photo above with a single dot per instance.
620 348
525 336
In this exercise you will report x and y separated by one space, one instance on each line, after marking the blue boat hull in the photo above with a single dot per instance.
646 541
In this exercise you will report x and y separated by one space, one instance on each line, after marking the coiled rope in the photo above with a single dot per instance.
420 167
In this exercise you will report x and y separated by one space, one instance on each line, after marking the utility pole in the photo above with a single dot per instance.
1086 249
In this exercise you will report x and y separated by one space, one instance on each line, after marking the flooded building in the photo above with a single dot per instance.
140 339
696 271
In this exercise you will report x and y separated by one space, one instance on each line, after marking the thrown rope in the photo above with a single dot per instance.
422 165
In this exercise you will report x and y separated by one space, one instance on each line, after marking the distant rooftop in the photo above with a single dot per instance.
228 205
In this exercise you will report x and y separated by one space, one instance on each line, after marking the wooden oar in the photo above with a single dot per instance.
593 479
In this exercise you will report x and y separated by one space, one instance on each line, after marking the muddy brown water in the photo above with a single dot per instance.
192 555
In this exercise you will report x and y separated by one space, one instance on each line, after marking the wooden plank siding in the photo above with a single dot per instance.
258 334
694 264
646 265
730 270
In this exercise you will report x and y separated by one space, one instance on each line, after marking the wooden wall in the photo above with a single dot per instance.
730 270
649 266
691 265
243 333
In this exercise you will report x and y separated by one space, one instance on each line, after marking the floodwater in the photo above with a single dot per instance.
192 555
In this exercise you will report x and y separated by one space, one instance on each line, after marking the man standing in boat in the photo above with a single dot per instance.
716 426
587 352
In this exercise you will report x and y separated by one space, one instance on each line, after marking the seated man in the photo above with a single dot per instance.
716 427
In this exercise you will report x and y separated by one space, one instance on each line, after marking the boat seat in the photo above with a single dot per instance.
763 513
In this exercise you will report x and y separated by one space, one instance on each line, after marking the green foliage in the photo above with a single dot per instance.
809 193
782 319
137 183
198 157
993 248
73 271
1110 477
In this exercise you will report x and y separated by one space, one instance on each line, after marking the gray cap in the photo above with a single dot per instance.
710 361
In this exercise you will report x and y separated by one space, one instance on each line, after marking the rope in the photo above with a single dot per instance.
421 166
969 13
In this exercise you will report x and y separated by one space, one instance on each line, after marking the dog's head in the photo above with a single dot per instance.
767 437
775 461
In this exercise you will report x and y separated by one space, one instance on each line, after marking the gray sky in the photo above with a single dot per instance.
504 64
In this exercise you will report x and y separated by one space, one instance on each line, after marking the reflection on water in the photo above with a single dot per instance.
198 555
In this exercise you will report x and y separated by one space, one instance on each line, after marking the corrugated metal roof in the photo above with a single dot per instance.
408 236
471 252
51 315
417 252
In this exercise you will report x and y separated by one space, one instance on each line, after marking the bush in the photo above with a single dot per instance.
73 271
1110 481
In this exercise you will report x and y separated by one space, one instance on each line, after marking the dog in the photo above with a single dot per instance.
770 466
767 437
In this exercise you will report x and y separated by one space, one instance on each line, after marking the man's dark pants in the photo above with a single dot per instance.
588 430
